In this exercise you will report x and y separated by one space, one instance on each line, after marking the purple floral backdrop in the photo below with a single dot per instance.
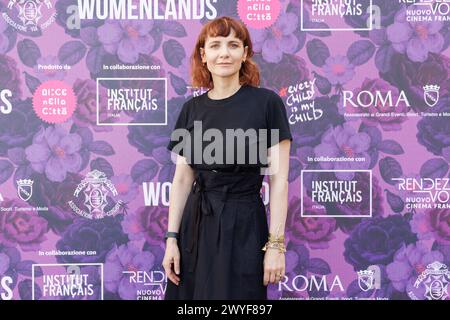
120 255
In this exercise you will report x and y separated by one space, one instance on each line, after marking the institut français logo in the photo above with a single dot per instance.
29 15
431 94
132 102
67 281
25 189
96 187
329 15
435 279
323 190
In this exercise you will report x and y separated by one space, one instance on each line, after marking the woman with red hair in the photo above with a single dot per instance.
219 244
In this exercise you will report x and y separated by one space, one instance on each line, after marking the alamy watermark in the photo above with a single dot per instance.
236 146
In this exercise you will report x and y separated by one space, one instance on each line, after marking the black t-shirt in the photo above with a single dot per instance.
259 113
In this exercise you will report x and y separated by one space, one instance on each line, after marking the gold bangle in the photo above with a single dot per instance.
273 238
275 245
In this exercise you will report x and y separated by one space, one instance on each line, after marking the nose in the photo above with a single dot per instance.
224 52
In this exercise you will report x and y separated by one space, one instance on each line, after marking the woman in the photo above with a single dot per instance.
219 245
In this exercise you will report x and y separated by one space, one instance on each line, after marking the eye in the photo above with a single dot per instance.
214 45
234 45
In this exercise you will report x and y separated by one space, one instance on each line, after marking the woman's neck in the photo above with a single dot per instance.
224 89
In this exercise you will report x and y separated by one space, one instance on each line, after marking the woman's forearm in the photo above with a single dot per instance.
179 193
279 185
278 203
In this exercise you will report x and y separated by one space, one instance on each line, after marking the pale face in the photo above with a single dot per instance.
224 55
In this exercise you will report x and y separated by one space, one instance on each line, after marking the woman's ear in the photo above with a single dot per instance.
245 52
202 55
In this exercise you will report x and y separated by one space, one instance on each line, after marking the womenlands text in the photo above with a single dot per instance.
147 9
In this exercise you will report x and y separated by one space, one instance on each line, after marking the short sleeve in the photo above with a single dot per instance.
277 120
175 137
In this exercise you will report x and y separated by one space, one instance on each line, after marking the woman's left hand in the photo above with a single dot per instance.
274 266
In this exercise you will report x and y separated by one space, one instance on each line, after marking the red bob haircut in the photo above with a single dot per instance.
221 27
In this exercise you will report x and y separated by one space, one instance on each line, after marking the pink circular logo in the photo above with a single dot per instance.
258 14
54 101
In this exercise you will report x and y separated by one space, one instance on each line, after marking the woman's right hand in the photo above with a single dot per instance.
171 261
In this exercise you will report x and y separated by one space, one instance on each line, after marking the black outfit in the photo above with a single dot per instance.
224 223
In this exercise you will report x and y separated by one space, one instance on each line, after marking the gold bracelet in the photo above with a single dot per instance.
273 238
275 245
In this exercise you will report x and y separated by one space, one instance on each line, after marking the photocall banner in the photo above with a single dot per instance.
89 94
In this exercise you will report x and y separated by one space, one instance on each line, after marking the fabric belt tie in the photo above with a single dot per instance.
203 207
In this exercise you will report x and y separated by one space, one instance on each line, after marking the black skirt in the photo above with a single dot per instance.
223 228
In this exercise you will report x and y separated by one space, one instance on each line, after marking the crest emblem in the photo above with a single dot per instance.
95 187
25 189
435 278
32 14
366 280
431 95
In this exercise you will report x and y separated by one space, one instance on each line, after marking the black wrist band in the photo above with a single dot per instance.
171 235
